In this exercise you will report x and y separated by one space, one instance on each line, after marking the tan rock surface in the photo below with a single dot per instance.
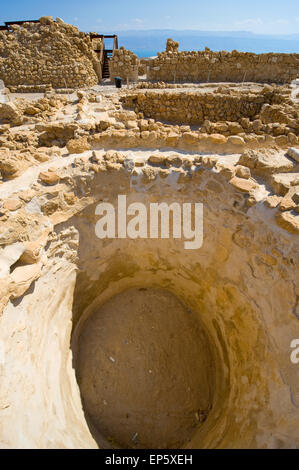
59 281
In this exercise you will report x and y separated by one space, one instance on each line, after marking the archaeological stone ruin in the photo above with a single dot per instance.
135 342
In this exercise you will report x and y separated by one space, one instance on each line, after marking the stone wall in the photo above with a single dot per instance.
49 52
142 66
124 64
172 46
223 66
225 111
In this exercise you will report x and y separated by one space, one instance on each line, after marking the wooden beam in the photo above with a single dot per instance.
96 36
8 23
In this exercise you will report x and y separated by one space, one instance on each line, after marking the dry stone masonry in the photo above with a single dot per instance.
223 66
124 64
47 53
249 112
172 46
53 53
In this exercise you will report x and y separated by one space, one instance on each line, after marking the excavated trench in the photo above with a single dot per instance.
182 348
142 343
149 371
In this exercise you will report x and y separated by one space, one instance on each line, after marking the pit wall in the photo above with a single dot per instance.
47 53
223 66
39 401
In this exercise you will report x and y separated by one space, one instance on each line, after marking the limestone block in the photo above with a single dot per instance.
8 256
12 204
49 177
78 145
289 221
244 185
293 153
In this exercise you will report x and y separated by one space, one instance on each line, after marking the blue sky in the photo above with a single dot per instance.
258 16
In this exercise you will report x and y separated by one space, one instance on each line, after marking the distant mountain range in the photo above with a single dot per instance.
195 33
148 42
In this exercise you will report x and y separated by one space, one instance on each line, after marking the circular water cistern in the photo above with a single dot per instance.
145 371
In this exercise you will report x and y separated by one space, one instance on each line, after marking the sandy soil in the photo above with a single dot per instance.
156 382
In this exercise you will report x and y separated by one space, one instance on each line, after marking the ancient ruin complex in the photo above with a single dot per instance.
140 343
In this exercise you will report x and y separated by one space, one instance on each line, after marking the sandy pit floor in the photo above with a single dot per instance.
145 370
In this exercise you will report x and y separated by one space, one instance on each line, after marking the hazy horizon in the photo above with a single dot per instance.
266 17
146 43
211 31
